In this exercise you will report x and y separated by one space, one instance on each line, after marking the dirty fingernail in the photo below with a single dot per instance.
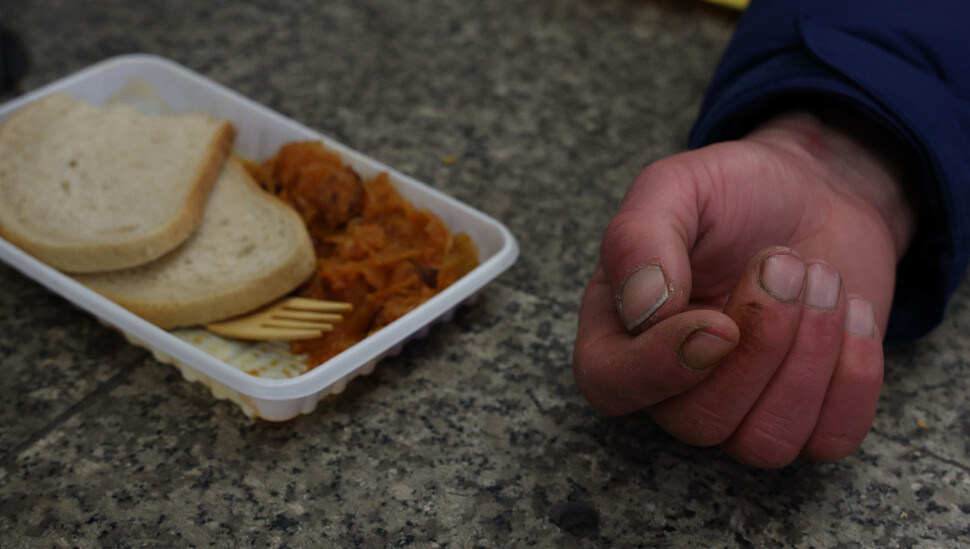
701 350
823 287
859 318
782 276
642 294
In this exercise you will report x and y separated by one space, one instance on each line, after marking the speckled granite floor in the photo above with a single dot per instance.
474 436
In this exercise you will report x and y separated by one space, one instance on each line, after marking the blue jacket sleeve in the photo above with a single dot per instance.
904 65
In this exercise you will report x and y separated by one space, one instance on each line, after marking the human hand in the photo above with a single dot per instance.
742 291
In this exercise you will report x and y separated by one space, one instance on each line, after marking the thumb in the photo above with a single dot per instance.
645 248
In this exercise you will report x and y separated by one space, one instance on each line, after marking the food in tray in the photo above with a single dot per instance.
265 378
156 214
75 180
374 249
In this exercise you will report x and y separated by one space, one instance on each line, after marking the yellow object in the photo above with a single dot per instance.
736 4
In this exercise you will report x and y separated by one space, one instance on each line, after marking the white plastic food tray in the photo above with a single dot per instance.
157 84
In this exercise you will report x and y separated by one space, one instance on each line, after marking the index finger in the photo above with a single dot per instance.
644 252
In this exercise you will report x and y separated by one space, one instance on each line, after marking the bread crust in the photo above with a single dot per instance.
111 253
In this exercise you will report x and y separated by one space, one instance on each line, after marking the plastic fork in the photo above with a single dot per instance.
287 319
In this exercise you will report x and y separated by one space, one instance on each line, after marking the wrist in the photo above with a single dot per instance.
871 164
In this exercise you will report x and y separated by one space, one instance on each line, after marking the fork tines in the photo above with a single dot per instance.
288 319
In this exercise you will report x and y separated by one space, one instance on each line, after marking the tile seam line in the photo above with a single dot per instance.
8 462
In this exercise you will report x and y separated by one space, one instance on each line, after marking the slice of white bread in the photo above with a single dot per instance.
88 189
250 249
